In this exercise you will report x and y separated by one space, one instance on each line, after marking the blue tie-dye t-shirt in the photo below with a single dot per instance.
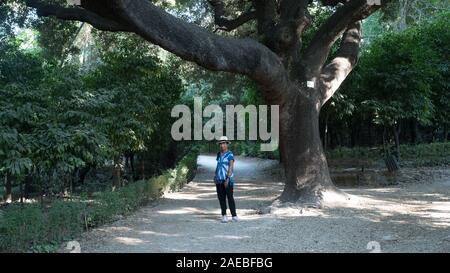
223 163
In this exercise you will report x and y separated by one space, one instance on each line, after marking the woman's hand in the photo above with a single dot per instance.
227 181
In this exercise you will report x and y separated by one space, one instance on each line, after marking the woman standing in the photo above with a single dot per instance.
224 179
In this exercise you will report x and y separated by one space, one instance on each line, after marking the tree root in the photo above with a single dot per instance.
330 196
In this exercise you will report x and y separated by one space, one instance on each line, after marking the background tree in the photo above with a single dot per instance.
403 13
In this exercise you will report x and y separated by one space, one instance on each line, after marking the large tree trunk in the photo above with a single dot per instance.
304 161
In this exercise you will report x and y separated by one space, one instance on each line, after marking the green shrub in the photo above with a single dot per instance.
103 209
65 220
22 227
151 190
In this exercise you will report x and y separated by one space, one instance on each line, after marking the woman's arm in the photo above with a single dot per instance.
217 167
230 171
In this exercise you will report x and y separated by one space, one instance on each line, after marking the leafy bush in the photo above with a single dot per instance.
22 226
64 220
103 208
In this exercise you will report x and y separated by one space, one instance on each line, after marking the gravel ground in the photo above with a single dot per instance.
409 217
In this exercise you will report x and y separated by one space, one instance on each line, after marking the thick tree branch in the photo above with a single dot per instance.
343 63
230 24
315 55
76 14
193 43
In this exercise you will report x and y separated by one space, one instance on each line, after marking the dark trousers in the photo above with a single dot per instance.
223 194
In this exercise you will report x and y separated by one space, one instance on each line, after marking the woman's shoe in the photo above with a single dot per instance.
224 219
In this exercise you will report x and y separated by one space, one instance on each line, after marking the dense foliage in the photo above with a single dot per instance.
399 91
56 120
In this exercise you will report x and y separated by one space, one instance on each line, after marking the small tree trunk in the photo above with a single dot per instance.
415 132
385 144
28 182
116 173
133 173
82 174
66 186
142 166
8 189
396 132
21 190
71 185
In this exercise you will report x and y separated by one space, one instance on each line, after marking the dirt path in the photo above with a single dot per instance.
413 218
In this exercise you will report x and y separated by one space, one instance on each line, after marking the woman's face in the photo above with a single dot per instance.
223 146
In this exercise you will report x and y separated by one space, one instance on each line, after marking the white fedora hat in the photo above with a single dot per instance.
223 139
